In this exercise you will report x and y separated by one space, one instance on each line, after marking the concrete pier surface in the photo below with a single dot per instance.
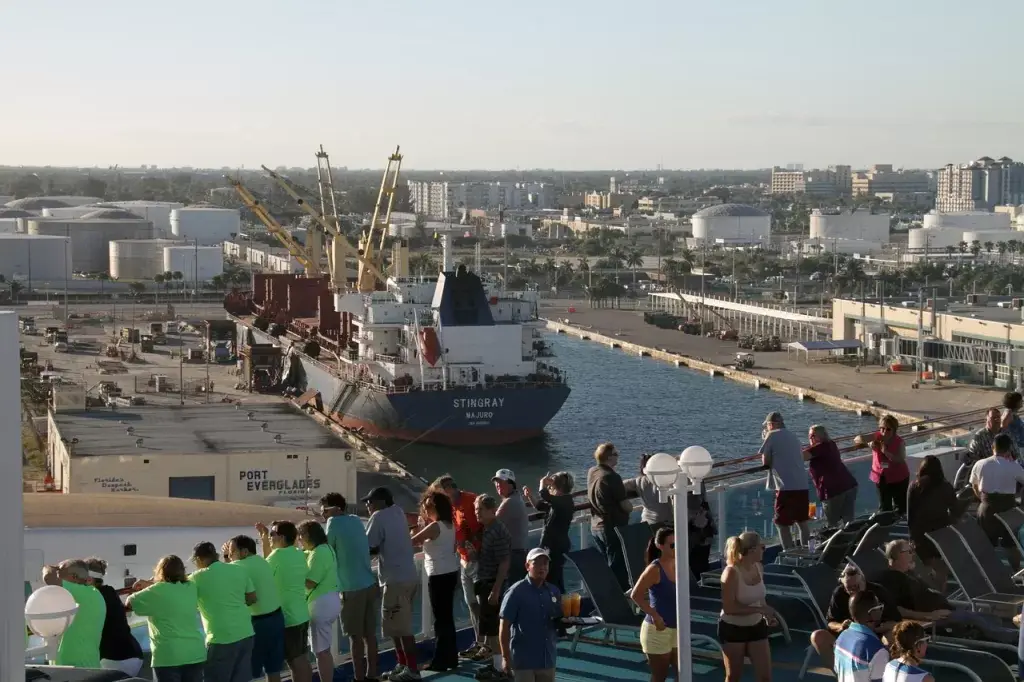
871 383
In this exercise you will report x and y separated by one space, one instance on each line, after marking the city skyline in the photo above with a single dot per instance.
575 85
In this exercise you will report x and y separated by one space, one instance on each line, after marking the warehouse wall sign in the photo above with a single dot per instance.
261 480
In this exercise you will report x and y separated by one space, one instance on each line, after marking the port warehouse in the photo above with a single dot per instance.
264 454
966 341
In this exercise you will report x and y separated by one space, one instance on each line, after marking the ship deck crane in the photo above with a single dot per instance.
339 247
310 265
371 251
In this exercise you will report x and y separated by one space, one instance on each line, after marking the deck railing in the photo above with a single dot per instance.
736 496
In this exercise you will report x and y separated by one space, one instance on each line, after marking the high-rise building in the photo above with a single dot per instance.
445 200
980 185
787 181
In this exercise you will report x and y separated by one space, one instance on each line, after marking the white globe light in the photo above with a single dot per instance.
662 469
696 463
50 610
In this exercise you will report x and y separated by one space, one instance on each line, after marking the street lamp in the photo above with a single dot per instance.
675 478
48 613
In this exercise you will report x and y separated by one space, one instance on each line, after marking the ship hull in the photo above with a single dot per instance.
455 417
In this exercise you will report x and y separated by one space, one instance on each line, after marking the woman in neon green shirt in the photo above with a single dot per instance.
172 605
322 596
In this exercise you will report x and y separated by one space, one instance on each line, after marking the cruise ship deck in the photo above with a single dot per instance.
738 502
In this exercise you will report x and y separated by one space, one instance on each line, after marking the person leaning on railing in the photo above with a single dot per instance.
835 485
557 504
322 598
889 470
655 512
979 448
119 650
80 644
170 602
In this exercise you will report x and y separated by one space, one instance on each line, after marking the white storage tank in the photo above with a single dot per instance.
967 220
91 235
11 219
156 212
209 225
932 239
70 211
856 225
184 259
139 259
994 236
736 222
35 258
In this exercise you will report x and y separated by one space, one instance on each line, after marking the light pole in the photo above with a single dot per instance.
676 478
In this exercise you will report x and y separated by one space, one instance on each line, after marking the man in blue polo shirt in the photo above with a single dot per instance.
530 616
860 654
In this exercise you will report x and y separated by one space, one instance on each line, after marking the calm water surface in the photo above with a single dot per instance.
639 404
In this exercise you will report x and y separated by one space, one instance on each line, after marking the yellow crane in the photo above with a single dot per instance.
372 252
309 263
339 247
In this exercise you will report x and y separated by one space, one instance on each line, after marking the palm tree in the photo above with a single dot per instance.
159 279
988 247
551 270
218 281
1002 247
617 256
1013 246
962 246
634 260
102 277
975 248
179 276
15 288
950 250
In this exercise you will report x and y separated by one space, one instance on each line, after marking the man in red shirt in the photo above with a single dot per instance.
468 532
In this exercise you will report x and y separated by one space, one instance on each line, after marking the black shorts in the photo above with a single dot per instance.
489 614
741 634
296 641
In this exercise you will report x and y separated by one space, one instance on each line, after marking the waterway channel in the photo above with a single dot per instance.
641 405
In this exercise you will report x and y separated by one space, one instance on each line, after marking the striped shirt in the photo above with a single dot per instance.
860 655
898 671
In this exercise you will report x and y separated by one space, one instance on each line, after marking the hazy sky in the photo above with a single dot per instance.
572 84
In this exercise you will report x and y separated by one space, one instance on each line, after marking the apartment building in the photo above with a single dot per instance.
980 185
445 200
787 181
881 178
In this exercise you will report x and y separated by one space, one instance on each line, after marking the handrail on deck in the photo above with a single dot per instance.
728 475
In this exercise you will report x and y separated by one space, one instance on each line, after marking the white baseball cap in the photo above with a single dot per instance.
504 475
536 552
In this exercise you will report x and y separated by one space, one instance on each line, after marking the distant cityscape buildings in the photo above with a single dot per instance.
446 200
833 181
980 185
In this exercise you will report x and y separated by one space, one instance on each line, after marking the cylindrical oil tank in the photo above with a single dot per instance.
156 212
933 239
857 225
184 259
8 225
91 237
35 258
139 259
994 236
207 224
967 220
71 212
732 222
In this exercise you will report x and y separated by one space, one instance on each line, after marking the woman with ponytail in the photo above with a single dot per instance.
655 594
745 618
909 646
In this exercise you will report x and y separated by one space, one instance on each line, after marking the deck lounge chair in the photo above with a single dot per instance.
871 563
1013 519
997 573
819 582
634 539
875 536
974 585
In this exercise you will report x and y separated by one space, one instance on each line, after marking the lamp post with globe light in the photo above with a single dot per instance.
674 479
48 613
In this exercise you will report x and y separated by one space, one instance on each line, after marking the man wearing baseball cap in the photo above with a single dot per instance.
530 615
512 512
782 453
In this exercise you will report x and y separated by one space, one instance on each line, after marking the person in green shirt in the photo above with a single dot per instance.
225 593
288 563
80 645
267 616
322 595
171 603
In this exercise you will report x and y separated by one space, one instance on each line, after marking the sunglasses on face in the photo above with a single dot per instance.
923 640
876 607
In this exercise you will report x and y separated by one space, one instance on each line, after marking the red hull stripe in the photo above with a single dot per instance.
440 437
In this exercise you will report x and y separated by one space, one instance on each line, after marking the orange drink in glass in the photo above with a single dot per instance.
566 605
576 599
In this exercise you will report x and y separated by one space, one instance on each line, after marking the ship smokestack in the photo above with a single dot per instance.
446 253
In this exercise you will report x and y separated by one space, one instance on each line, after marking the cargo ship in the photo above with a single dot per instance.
449 360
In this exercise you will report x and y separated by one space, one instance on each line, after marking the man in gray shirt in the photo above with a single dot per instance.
513 514
782 453
387 533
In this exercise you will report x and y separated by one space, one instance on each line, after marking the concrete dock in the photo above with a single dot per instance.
838 386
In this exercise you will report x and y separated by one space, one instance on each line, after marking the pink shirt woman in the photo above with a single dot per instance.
889 470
